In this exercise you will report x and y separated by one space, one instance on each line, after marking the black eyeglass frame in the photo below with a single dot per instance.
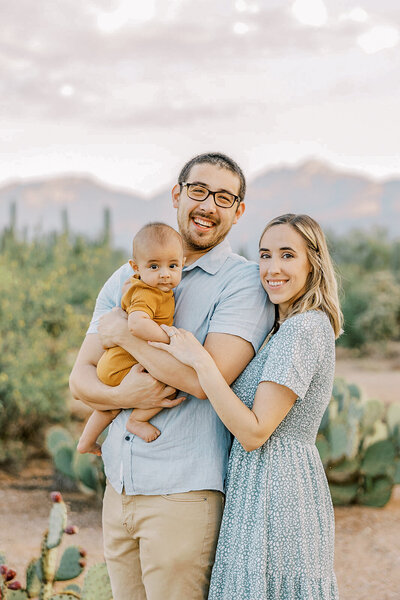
210 193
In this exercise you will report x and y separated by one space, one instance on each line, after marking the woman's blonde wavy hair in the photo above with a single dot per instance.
321 286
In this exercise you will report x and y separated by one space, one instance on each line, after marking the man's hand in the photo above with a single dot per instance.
138 388
113 326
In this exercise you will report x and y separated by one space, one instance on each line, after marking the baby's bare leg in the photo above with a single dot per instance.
98 421
139 425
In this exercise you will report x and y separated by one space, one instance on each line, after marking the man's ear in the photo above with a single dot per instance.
176 192
239 212
134 265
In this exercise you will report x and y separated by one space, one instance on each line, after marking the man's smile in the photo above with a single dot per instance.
203 223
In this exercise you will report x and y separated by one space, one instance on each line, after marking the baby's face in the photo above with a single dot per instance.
160 266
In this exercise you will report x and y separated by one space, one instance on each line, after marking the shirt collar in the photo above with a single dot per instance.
212 260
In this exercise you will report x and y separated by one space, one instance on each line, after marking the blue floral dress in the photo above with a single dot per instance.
277 534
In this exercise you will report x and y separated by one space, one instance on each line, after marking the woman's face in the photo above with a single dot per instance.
284 265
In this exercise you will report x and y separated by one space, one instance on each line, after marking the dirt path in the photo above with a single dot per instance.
378 377
367 539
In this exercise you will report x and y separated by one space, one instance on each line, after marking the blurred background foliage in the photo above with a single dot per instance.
48 288
369 267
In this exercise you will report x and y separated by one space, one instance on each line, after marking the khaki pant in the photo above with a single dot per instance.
161 547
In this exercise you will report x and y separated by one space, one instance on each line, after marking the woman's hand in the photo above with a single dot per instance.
184 347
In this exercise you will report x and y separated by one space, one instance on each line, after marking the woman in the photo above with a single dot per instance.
277 533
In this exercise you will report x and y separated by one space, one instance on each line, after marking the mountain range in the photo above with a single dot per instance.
338 200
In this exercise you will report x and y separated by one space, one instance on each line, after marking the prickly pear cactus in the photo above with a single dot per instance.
96 585
65 596
359 445
63 456
84 469
41 573
16 595
57 436
71 564
73 588
57 523
10 588
32 579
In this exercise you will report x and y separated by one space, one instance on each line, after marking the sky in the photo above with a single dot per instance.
128 90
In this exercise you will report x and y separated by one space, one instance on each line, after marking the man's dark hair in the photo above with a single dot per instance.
220 160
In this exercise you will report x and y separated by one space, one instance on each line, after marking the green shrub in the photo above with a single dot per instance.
48 290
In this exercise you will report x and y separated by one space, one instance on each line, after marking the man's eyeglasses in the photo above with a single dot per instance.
201 193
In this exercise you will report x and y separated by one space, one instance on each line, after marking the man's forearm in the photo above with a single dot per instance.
85 386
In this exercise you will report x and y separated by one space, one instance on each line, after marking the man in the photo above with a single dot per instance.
163 503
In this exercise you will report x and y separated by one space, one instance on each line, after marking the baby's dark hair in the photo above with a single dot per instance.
158 233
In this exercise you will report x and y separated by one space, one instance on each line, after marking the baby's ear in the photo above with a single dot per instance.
133 265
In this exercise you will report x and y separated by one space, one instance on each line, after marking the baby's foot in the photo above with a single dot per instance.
143 429
85 447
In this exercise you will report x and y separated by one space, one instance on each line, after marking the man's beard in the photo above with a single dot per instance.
197 244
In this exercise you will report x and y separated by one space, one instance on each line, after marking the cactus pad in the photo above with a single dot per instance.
338 440
57 436
65 596
343 494
32 579
69 565
373 411
380 432
393 417
63 457
376 492
73 587
57 523
379 459
97 584
17 595
48 564
87 472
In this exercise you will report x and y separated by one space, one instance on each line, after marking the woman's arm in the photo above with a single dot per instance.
251 427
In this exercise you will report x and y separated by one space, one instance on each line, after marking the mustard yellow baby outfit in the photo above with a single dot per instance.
115 363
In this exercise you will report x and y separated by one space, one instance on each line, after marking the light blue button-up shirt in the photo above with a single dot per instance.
221 293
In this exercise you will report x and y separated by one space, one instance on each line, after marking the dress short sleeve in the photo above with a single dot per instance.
295 352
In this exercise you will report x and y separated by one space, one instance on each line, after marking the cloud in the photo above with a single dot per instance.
57 63
179 71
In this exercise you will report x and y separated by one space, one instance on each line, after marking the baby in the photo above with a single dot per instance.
157 261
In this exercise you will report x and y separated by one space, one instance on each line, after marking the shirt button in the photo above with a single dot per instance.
127 437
